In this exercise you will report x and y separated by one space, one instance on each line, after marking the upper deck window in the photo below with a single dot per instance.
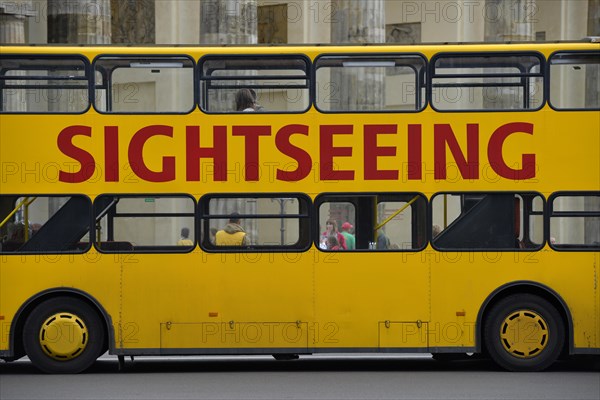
370 83
144 84
575 81
43 84
268 84
487 81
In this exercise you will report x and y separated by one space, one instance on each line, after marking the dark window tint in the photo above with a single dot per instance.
487 221
48 224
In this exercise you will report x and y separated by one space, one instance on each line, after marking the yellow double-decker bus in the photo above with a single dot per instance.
438 199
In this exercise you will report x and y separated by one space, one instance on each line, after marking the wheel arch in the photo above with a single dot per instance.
526 287
16 348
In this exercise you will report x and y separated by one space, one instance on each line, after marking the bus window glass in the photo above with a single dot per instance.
255 222
351 83
575 81
388 221
147 85
43 85
49 224
145 223
268 84
487 221
487 82
575 221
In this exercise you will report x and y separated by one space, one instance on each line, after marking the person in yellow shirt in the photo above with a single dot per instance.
232 234
185 239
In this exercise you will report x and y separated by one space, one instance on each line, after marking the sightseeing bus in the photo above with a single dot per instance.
466 178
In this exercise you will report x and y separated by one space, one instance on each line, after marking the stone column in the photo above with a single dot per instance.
509 20
79 22
12 20
12 31
228 22
358 22
132 21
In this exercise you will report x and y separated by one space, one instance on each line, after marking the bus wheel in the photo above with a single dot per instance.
63 335
524 332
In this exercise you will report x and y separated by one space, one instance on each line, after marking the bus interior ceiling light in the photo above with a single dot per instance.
369 63
156 65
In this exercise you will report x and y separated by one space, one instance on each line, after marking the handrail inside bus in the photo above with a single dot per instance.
26 201
404 207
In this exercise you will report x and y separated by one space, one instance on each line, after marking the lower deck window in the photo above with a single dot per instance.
487 221
575 221
255 223
48 224
372 222
145 223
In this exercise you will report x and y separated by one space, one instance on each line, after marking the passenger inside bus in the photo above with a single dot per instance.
232 234
245 101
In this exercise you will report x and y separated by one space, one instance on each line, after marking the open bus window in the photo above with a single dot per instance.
575 81
275 83
41 84
487 81
575 221
379 222
487 221
373 83
44 224
145 223
239 222
148 84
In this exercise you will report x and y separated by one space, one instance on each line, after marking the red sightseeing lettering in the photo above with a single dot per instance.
372 152
302 158
329 152
136 156
527 170
85 159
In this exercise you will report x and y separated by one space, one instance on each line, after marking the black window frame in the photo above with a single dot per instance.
548 85
87 77
529 246
204 80
304 218
552 213
128 247
346 197
79 247
463 56
145 58
421 78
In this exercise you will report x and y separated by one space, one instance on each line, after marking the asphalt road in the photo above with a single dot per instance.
310 377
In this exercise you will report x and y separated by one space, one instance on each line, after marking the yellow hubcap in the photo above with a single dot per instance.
524 334
63 336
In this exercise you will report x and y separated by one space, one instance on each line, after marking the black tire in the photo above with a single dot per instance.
63 335
524 332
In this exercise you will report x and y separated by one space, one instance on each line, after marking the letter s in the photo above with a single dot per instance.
85 159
